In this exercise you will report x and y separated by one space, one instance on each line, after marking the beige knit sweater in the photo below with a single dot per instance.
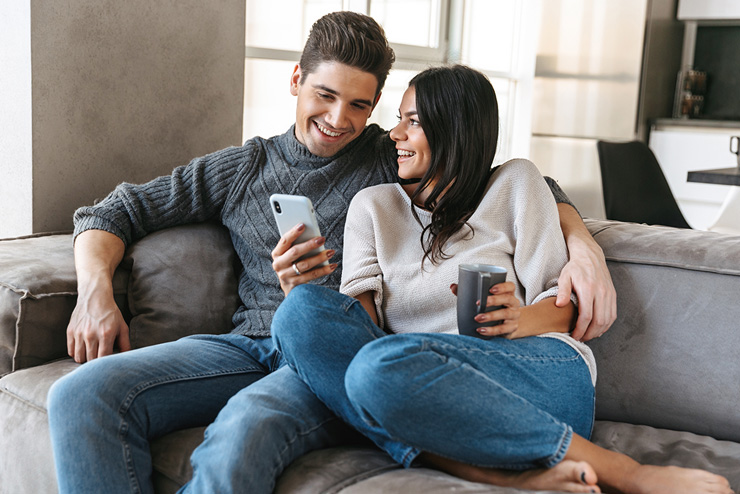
516 226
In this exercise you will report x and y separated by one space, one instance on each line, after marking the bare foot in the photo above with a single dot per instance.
650 479
566 476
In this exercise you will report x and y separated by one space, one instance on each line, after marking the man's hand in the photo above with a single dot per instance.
96 321
292 272
94 327
586 274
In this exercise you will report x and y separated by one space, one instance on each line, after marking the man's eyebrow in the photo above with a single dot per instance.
336 93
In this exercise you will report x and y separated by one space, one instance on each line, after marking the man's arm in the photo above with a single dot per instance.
96 321
587 275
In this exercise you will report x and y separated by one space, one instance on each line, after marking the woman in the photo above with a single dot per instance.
515 410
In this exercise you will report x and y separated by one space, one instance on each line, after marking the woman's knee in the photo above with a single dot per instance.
375 380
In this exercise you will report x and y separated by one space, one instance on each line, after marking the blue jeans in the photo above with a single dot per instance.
509 404
261 415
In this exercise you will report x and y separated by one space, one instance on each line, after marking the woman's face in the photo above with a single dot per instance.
414 153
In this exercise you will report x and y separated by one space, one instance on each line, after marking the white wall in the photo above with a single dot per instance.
15 118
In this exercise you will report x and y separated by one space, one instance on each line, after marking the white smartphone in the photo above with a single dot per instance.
290 210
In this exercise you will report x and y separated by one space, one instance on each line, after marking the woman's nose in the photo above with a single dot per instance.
397 134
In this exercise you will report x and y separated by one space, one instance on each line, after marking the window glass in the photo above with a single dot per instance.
409 22
269 108
284 24
489 33
386 113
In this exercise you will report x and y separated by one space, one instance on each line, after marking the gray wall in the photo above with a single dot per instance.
122 91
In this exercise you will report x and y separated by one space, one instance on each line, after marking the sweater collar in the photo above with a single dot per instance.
299 153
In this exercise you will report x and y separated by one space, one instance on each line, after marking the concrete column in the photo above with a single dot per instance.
120 91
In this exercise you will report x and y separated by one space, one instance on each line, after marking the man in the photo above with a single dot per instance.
262 415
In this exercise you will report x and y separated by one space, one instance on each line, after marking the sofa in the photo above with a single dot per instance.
668 389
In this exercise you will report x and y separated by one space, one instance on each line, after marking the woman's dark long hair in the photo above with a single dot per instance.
458 111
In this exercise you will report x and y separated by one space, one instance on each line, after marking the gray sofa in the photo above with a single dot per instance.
668 388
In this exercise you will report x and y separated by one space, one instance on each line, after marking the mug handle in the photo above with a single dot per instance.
735 140
482 291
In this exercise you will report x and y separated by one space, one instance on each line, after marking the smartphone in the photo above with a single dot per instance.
290 210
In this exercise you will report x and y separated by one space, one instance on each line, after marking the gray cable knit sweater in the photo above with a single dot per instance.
232 187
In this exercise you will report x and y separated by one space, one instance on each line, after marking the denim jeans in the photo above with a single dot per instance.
261 415
510 404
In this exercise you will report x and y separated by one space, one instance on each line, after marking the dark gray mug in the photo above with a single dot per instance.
474 282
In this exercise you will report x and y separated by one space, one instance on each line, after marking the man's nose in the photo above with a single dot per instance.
337 117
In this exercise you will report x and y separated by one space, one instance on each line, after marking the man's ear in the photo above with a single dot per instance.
295 80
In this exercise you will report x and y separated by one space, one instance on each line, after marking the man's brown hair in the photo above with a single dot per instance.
352 39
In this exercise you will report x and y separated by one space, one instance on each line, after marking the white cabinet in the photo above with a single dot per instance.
708 9
681 148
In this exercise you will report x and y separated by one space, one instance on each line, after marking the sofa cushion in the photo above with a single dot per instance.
183 280
673 347
38 291
26 460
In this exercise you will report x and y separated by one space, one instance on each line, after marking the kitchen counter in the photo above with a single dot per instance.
693 123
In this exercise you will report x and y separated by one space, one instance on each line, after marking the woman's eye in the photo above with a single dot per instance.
414 122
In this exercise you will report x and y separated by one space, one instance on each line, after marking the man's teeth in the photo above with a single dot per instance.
327 131
402 152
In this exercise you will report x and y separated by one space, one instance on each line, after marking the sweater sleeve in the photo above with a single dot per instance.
540 252
192 193
361 271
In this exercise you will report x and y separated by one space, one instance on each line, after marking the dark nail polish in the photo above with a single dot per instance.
583 478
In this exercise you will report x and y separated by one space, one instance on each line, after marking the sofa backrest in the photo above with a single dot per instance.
671 358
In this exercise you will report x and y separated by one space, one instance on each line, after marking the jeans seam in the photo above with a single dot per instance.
295 438
543 358
136 391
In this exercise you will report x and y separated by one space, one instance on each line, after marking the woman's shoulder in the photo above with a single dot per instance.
517 167
377 194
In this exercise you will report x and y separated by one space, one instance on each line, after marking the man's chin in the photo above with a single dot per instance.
326 150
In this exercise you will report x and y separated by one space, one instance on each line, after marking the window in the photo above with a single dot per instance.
490 35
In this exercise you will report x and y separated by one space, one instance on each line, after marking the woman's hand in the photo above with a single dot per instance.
292 272
501 294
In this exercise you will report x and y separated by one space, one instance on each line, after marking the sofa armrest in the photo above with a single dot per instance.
670 359
38 291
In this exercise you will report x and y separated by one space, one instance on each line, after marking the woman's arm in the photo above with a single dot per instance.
367 299
543 316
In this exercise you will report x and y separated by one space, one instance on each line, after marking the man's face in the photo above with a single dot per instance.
334 103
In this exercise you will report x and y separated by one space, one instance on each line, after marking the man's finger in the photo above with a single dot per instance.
564 291
124 342
585 315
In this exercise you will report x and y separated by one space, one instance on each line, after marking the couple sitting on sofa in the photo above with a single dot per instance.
267 407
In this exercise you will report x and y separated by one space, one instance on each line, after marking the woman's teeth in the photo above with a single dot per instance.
403 153
327 131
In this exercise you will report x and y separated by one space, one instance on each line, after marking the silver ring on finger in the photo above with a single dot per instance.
297 271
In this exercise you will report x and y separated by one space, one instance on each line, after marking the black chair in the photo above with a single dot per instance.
635 188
